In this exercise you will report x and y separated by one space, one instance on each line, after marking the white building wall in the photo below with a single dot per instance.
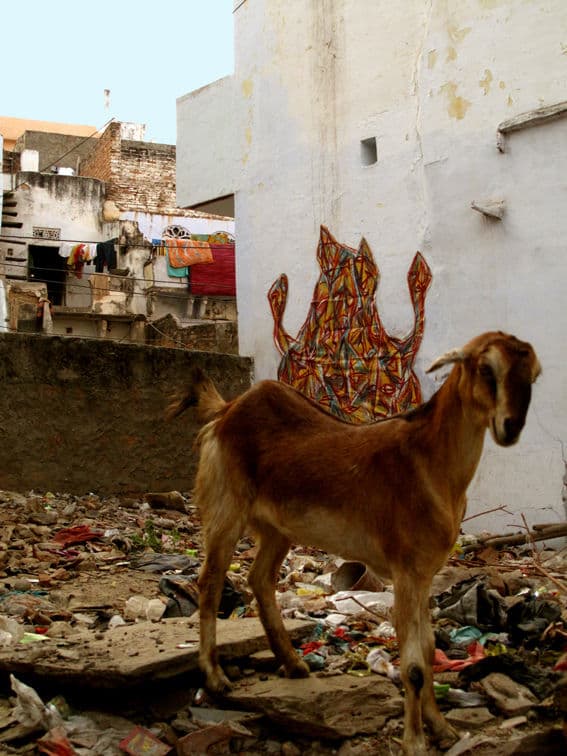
69 203
430 81
210 113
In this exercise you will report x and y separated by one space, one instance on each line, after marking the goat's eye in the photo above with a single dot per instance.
488 375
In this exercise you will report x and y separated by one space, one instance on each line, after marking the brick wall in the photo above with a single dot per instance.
81 415
146 176
138 175
104 159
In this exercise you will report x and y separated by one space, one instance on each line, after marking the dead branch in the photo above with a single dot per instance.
559 530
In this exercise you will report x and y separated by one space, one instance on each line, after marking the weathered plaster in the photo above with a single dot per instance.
431 82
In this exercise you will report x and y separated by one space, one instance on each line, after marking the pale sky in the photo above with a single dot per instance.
60 55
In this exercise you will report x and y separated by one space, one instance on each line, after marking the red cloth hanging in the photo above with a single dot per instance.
217 278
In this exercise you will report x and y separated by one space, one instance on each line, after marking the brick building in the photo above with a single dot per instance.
138 175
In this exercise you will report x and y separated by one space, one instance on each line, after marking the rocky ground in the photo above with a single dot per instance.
98 641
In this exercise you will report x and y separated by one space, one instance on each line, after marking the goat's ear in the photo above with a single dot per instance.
455 355
536 370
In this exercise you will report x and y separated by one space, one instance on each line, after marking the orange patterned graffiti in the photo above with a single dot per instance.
343 357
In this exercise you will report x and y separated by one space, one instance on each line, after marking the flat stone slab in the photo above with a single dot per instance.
322 707
128 654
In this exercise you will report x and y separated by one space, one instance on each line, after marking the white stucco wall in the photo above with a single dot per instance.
208 113
430 81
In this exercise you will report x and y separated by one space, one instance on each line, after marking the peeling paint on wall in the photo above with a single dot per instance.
487 81
457 35
451 54
458 106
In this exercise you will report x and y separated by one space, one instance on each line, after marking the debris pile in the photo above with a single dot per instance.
99 640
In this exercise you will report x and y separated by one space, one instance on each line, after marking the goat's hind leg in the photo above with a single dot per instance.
219 546
272 548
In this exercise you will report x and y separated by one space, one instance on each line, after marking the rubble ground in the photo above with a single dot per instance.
99 640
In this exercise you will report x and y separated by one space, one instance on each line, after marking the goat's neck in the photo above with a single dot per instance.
458 431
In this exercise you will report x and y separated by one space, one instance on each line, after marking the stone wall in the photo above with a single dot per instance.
209 335
79 415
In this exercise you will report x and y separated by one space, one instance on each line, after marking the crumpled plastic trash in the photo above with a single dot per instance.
77 534
183 594
55 743
465 635
528 618
472 603
442 663
354 602
315 661
30 709
10 631
140 607
378 660
160 563
141 741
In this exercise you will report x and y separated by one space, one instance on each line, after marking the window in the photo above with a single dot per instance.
368 151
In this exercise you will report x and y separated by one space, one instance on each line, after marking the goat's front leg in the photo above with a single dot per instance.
411 617
272 548
219 549
442 732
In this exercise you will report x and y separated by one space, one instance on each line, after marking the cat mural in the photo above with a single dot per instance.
342 357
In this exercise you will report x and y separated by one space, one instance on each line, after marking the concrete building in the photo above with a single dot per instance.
112 196
432 126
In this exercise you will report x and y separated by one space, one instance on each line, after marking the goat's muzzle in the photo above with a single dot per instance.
508 432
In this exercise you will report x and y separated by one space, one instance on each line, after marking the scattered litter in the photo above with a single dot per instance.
81 573
141 742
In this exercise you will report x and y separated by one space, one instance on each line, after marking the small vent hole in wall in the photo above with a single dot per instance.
368 151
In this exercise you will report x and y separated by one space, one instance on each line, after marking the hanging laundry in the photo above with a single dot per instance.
105 255
44 316
221 237
218 278
176 272
80 254
66 248
91 251
184 252
158 248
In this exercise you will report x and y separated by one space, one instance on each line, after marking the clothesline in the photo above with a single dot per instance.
102 254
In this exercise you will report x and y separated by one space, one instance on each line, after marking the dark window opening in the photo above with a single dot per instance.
368 151
48 267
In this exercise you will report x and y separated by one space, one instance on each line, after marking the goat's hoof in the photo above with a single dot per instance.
297 669
218 683
414 748
444 740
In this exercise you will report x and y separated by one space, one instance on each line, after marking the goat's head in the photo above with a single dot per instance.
498 371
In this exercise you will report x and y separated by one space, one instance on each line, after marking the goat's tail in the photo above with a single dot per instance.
202 394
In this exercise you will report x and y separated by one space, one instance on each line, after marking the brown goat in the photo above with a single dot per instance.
390 494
